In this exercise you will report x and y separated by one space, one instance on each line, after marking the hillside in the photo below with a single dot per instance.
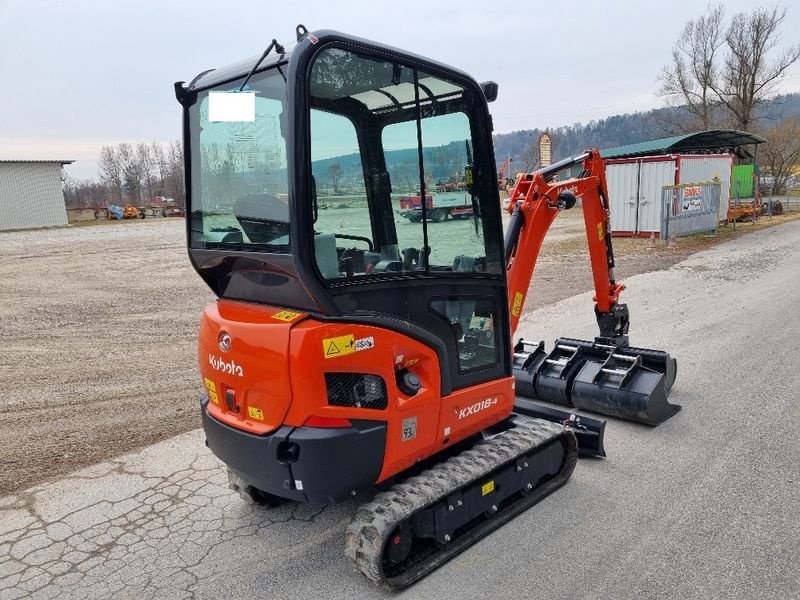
619 130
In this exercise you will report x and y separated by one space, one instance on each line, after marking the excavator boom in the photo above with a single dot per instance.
606 376
535 203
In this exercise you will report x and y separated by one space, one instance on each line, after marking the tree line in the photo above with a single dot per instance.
130 174
722 74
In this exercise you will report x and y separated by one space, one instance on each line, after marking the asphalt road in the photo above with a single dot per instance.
704 506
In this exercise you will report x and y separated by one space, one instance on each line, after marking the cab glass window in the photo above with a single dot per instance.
393 167
240 182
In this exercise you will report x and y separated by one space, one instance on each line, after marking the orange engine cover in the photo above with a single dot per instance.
242 352
265 367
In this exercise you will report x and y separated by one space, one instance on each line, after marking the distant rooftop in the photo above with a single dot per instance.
26 160
698 142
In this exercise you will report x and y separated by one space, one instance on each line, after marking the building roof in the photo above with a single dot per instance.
718 140
25 160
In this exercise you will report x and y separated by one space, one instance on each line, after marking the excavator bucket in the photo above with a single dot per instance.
656 360
621 381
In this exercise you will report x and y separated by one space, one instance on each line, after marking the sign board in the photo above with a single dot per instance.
545 156
692 198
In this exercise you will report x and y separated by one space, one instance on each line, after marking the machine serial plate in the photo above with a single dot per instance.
409 428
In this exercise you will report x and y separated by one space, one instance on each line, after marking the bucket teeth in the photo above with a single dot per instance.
621 381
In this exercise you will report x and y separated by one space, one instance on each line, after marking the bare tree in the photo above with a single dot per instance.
335 174
749 76
111 171
687 81
131 177
144 158
84 193
148 169
722 79
174 179
159 165
781 155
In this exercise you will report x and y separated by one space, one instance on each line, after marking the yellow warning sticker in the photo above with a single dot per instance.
255 413
517 306
212 390
286 315
338 346
600 233
487 488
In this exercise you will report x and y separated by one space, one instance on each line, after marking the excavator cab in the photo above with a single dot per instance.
307 185
351 347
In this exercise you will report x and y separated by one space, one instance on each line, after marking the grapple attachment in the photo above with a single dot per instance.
617 380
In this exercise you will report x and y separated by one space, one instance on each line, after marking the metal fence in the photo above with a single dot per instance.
689 208
773 203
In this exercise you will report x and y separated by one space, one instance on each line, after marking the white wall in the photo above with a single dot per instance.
634 190
31 195
697 169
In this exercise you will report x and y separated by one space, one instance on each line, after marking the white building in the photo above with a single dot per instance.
31 194
637 173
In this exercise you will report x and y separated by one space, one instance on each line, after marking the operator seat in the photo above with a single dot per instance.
264 218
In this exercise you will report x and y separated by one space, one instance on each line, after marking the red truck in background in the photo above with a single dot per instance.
439 206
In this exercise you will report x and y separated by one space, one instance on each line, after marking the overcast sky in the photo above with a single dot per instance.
79 74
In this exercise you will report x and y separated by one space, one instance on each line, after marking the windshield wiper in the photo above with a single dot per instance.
273 44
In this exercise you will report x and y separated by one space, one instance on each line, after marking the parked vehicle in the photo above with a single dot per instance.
439 206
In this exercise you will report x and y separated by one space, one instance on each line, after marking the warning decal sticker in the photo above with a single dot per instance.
517 306
338 346
346 344
365 343
286 315
212 390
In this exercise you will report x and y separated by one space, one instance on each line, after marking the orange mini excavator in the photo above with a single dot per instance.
352 349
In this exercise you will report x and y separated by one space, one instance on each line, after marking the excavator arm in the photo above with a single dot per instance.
606 375
536 201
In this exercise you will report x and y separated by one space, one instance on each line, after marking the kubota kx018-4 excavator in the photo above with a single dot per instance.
350 348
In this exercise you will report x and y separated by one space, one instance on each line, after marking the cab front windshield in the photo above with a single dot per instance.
239 170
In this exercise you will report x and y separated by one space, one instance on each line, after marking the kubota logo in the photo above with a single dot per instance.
231 368
476 408
225 341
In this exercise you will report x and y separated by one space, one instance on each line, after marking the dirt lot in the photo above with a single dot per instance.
99 323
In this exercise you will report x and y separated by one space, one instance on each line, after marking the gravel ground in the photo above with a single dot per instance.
704 506
99 328
98 355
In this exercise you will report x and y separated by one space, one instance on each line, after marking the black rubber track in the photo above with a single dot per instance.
374 522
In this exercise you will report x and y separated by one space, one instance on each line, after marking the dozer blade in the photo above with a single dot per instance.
421 523
588 431
620 381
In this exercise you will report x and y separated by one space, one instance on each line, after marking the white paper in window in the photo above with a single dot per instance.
231 106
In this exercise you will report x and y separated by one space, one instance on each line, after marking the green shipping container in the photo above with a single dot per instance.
742 184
